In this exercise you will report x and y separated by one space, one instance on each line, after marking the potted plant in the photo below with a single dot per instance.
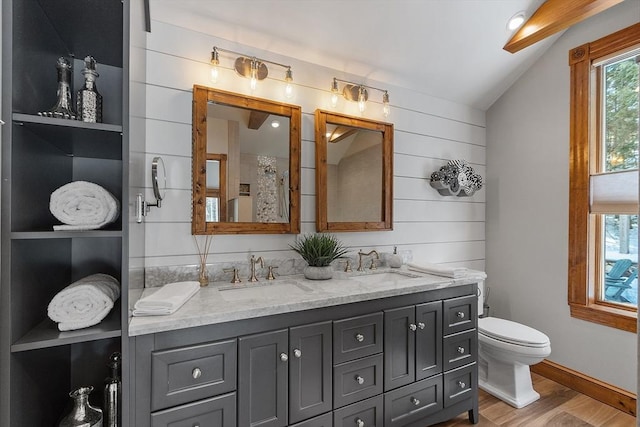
318 250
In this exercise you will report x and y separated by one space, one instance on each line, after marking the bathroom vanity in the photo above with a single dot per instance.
388 349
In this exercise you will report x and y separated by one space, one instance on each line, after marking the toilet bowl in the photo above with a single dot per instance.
506 351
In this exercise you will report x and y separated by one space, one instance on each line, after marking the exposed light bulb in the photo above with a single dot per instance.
215 61
334 93
254 75
386 109
288 90
362 101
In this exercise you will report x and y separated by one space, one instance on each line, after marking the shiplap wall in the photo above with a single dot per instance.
428 132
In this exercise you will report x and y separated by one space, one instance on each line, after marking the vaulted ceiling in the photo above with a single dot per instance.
451 49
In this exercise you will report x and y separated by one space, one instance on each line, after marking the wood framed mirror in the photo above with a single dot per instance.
246 164
354 173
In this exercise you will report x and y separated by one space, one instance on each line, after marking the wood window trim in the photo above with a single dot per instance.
581 290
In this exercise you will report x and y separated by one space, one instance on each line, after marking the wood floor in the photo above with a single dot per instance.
558 406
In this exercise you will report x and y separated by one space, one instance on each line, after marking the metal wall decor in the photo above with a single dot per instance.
456 178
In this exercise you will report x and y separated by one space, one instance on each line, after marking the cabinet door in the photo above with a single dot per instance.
309 371
399 347
262 379
428 339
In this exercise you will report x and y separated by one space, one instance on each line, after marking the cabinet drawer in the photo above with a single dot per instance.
459 384
460 314
367 413
191 373
412 402
357 337
219 411
325 420
357 380
460 349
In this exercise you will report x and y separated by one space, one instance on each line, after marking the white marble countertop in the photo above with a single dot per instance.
223 302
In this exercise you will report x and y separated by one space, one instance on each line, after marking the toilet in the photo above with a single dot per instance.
506 350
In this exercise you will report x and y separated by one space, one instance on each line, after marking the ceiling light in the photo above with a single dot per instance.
275 124
516 21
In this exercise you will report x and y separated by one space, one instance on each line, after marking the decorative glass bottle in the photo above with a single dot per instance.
89 101
82 414
64 106
113 392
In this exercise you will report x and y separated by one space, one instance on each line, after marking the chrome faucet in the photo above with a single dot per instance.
253 263
373 261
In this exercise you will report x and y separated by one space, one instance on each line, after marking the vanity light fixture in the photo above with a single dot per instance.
358 92
253 68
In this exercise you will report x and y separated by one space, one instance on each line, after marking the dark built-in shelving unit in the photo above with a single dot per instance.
39 364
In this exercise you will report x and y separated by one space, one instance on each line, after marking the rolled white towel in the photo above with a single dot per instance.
167 300
85 302
82 205
438 270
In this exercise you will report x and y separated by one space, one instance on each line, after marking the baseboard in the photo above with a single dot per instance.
614 396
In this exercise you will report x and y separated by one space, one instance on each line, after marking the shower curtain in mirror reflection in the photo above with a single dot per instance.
272 203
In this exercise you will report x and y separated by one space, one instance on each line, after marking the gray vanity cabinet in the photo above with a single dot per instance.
400 361
412 344
285 371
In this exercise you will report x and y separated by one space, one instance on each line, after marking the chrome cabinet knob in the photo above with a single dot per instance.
460 314
196 373
415 401
297 353
359 422
413 326
461 350
359 379
284 357
421 325
196 425
461 384
359 337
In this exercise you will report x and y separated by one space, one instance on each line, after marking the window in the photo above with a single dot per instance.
216 198
603 200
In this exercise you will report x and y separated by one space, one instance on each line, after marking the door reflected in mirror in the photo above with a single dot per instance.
354 162
246 164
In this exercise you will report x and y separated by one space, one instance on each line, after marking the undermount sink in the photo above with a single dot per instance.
385 276
262 290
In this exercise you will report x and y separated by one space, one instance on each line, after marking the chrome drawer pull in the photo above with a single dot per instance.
359 379
196 373
359 337
412 326
421 325
415 401
461 384
297 353
460 314
359 422
461 350
284 357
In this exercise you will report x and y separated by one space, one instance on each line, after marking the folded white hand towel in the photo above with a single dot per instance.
166 300
85 302
82 205
438 270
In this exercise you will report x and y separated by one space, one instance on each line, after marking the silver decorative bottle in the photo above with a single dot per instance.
64 106
88 100
113 392
82 414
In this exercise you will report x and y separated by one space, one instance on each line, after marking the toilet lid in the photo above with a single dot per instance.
512 332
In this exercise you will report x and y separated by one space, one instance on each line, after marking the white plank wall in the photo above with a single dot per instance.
428 132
